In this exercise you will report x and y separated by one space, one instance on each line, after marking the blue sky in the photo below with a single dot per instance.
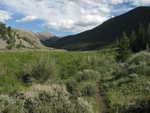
63 17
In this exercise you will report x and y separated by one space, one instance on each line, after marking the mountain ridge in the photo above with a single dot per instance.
107 32
11 38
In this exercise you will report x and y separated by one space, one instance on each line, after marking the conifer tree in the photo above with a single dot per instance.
144 38
133 38
148 37
123 47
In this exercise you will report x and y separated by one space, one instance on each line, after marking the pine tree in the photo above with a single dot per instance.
148 36
123 46
142 38
133 38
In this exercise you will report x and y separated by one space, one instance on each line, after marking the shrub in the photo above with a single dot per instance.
138 106
139 63
141 106
71 85
120 71
10 105
87 74
103 63
39 71
51 99
43 99
142 57
89 90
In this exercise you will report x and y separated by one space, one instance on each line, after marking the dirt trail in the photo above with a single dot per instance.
101 106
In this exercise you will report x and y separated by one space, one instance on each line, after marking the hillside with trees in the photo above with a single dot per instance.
106 33
11 38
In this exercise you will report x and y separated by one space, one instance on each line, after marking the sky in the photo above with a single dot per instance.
63 17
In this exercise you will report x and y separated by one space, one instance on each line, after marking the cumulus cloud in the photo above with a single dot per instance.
27 18
4 16
70 15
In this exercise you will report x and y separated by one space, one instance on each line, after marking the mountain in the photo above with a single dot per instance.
20 38
41 38
10 39
107 32
47 38
28 34
45 35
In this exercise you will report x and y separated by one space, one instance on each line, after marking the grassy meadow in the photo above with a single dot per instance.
74 82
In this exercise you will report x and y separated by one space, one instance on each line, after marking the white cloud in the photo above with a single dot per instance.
145 2
4 16
27 18
68 15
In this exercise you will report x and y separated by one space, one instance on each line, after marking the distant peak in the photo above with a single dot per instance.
46 31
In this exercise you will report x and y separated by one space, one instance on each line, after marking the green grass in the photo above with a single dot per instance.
124 86
10 84
14 63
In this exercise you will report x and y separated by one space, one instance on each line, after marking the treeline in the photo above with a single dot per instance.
136 41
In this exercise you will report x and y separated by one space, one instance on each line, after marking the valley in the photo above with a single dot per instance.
102 70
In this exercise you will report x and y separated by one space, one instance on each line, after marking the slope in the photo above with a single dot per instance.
107 32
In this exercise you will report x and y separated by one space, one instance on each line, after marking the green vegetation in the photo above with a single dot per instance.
7 34
56 82
137 40
128 89
32 42
123 47
13 40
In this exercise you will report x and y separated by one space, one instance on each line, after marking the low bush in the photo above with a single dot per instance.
71 85
10 105
44 99
88 89
102 64
87 74
138 58
139 63
39 71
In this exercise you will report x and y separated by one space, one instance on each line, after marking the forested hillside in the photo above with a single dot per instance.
10 39
106 33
